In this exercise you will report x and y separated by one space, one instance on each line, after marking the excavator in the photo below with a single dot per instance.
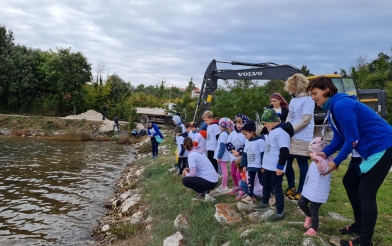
262 71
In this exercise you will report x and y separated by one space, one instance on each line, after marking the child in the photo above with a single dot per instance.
156 137
213 132
200 138
221 154
316 187
235 145
192 133
182 152
258 189
274 161
252 157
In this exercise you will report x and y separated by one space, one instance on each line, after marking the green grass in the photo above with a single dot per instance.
167 198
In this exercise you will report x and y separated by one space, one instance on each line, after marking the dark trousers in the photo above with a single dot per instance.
154 146
182 164
116 125
210 155
362 192
311 211
303 170
251 181
198 184
271 181
103 115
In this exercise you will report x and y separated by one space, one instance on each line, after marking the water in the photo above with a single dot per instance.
52 192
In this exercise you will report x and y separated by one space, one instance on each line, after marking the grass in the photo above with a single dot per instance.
167 198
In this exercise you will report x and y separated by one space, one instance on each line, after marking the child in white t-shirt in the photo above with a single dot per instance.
213 132
316 187
194 130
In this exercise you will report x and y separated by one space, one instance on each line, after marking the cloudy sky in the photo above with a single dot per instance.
144 41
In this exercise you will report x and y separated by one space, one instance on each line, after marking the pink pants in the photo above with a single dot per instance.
235 174
223 165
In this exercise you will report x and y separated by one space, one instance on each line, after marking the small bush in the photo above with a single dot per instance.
125 230
145 148
74 136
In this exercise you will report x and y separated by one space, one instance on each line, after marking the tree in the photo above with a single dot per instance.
305 71
119 88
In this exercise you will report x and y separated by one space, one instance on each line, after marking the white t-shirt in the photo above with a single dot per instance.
202 142
192 135
237 139
204 168
276 139
222 139
152 131
316 186
297 108
212 131
253 151
180 141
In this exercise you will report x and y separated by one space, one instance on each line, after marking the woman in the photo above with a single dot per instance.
201 175
356 128
280 105
156 137
301 111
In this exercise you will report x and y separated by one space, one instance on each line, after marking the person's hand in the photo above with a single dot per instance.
262 170
184 173
279 172
244 170
332 167
322 154
178 134
218 160
311 155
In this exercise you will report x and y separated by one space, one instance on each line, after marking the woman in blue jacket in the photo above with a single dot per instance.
359 130
156 137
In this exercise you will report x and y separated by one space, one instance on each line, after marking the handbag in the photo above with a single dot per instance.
159 139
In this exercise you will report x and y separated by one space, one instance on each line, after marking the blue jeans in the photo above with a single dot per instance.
271 181
303 170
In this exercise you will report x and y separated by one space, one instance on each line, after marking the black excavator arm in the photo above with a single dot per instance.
259 71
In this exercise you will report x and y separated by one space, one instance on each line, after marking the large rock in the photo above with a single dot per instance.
245 206
176 239
246 233
105 228
226 214
255 216
337 216
267 214
133 200
181 222
136 217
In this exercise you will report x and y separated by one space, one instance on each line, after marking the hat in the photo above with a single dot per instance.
176 119
317 145
148 122
243 117
226 123
269 115
203 126
193 124
250 126
178 129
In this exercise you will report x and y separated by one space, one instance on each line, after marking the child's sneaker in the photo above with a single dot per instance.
272 201
308 222
200 196
249 200
234 191
310 232
289 191
296 196
240 195
276 217
220 189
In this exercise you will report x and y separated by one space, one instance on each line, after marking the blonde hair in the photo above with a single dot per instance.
208 115
238 120
237 163
298 82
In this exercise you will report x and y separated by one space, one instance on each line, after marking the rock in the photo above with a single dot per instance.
174 240
337 216
267 214
148 228
308 242
116 203
139 172
226 243
125 195
181 222
136 217
255 216
334 240
215 194
148 220
105 228
245 206
226 214
295 223
173 170
246 233
209 198
133 200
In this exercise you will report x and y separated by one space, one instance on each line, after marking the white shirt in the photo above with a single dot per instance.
276 139
192 135
297 108
202 142
253 151
204 168
316 186
180 141
222 139
212 131
237 139
152 131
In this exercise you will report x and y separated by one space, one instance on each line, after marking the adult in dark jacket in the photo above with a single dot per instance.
156 137
104 110
280 105
115 119
359 130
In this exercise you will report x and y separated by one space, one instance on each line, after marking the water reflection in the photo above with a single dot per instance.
52 191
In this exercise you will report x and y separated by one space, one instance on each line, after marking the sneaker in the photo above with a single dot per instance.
289 191
272 201
234 191
276 217
355 242
200 196
220 189
308 222
310 232
262 207
351 229
240 195
296 196
249 200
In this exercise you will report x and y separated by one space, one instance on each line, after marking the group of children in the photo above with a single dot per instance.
257 162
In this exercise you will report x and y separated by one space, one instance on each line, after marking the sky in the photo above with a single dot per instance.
145 42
